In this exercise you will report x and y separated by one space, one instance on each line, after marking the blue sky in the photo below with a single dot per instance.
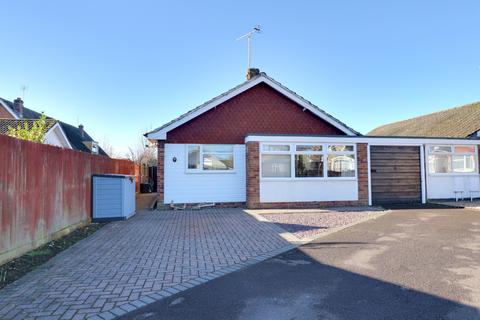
123 67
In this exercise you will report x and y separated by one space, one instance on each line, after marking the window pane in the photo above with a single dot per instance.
341 165
276 165
308 165
339 147
440 149
464 149
217 148
276 147
193 157
217 161
309 148
440 163
463 164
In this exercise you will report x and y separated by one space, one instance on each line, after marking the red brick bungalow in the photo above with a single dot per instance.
262 145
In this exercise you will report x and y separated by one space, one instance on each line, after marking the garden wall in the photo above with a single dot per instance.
45 192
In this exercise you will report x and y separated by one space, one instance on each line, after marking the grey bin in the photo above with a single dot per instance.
113 197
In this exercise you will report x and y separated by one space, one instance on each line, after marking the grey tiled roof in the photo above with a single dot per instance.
73 133
226 93
459 122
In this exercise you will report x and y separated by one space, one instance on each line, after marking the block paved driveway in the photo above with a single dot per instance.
406 265
130 263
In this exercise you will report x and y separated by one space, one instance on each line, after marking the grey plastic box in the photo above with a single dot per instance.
113 197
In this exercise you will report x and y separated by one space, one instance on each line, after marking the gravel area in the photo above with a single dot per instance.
306 224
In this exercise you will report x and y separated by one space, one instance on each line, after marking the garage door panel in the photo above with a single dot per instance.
397 162
399 156
395 174
395 149
385 196
396 188
381 183
393 169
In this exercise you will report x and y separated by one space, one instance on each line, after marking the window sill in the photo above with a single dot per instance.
456 174
210 172
322 179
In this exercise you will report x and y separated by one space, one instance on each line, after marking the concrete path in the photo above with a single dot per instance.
409 264
127 264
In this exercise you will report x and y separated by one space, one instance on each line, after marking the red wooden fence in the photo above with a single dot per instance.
45 192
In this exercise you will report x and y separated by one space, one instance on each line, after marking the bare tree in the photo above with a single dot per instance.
109 149
144 152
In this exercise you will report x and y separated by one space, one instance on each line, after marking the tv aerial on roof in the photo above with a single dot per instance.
249 35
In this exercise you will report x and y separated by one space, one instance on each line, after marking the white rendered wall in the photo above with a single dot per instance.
443 186
183 187
295 190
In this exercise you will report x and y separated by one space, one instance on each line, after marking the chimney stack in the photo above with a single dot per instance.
82 133
18 107
252 72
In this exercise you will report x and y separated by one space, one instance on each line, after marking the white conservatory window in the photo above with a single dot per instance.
299 161
276 161
276 165
452 159
309 161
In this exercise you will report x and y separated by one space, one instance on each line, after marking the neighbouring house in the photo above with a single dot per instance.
263 145
59 133
459 122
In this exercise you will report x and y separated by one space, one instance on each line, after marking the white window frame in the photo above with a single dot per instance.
200 169
452 153
95 147
293 152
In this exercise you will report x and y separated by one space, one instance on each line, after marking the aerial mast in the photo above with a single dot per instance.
249 39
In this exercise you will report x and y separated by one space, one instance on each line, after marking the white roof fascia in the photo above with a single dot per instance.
386 141
162 134
62 133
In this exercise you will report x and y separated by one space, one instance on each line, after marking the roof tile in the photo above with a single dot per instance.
459 122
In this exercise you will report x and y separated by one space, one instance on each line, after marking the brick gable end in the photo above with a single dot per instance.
260 109
4 113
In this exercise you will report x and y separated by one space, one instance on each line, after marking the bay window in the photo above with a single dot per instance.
210 157
452 159
299 161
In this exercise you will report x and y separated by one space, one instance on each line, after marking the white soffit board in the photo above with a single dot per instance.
361 139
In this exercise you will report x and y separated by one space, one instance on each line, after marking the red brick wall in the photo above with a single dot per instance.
160 170
253 183
260 109
253 174
362 173
4 113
